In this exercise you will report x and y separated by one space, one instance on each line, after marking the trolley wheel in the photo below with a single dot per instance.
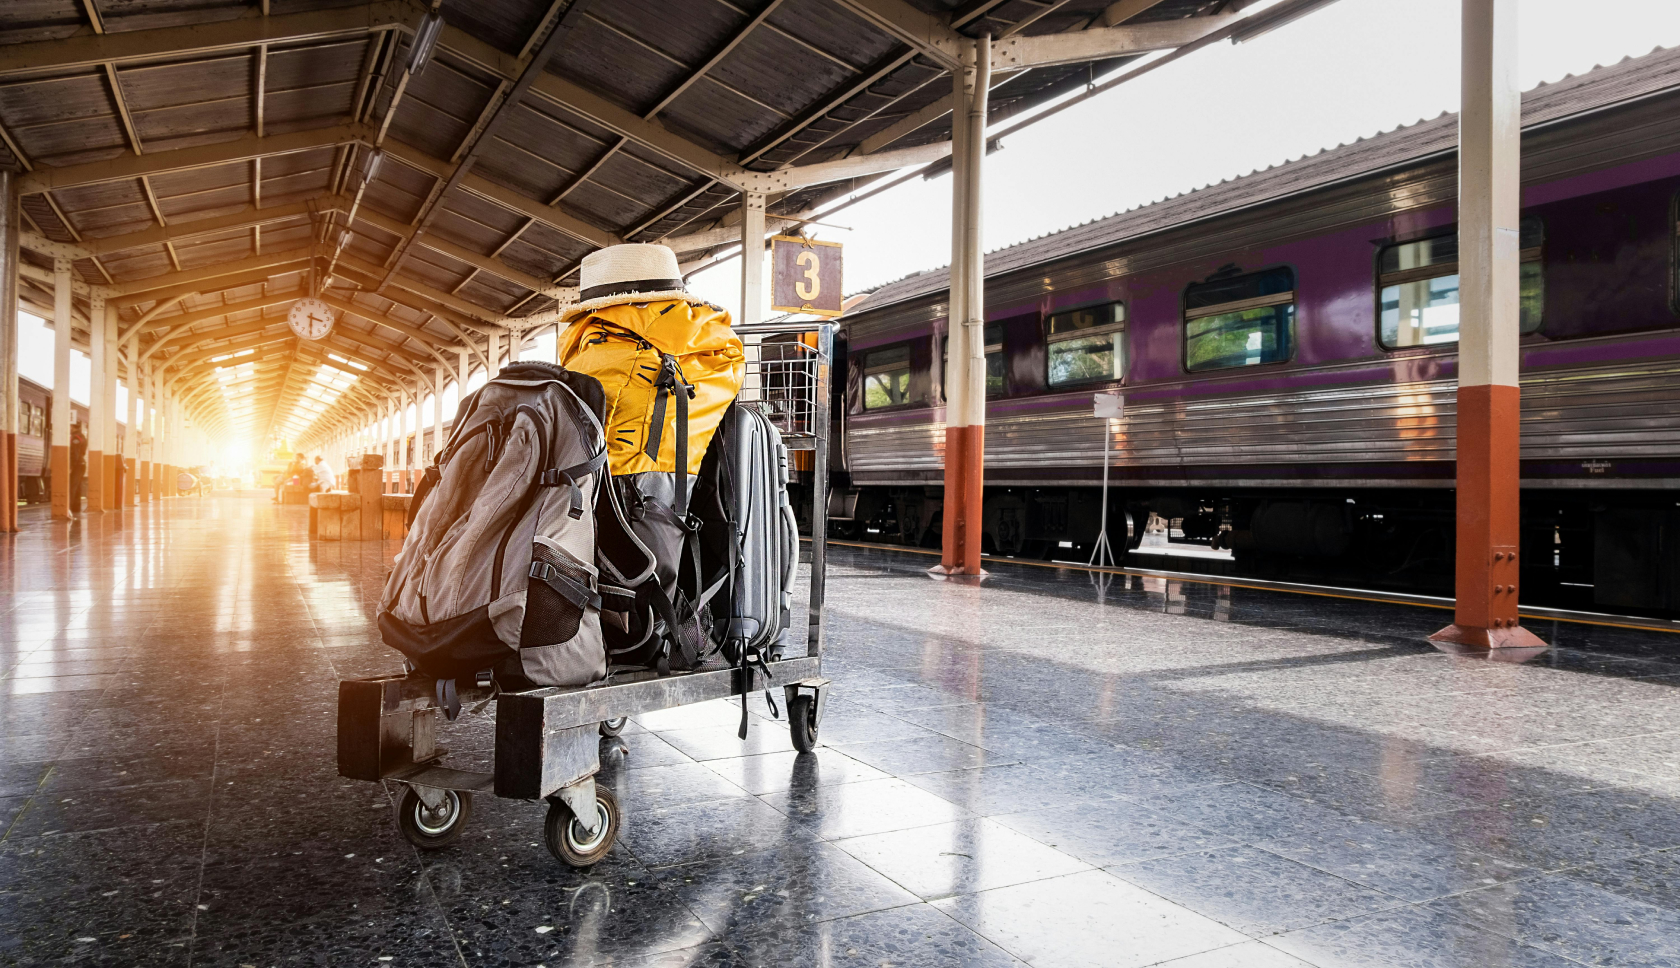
569 842
802 722
430 829
612 727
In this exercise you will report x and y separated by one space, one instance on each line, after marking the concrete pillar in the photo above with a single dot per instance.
143 441
1489 247
99 406
495 355
131 435
965 368
109 498
402 443
437 412
60 452
752 258
9 219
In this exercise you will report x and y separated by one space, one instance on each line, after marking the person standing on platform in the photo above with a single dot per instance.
78 467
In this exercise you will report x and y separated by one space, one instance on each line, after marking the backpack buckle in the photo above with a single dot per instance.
552 478
541 570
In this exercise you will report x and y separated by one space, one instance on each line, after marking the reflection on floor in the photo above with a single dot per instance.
1054 769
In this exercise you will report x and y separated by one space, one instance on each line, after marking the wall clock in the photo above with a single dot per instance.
311 318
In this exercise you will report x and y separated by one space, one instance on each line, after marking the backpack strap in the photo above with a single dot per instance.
671 382
565 585
428 481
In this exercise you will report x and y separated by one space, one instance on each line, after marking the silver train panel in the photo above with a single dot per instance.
1579 416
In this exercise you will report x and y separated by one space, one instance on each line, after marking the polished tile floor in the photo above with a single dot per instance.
1055 769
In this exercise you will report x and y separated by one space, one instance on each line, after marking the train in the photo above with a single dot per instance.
1283 347
34 435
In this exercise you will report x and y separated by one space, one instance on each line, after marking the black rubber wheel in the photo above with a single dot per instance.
430 829
802 722
569 842
612 727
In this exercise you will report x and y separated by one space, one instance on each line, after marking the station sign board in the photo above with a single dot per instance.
805 276
1109 405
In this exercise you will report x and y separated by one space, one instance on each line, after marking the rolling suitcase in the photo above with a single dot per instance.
767 538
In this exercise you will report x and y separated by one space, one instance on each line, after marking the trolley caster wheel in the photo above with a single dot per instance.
430 829
802 722
567 839
612 727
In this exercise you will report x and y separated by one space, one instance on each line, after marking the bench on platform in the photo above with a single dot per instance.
393 508
335 516
294 494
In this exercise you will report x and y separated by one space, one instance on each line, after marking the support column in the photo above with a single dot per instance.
99 406
495 355
965 367
1489 252
110 499
9 227
61 510
131 435
402 444
752 257
437 412
143 441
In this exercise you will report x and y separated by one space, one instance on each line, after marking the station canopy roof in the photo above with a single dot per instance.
439 173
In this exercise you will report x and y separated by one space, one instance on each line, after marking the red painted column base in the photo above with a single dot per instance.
60 457
962 524
8 486
1489 522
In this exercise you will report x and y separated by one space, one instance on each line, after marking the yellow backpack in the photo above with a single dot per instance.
647 356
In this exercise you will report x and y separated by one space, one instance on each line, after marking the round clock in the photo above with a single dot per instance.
310 318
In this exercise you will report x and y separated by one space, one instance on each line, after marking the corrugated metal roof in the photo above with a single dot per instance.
207 160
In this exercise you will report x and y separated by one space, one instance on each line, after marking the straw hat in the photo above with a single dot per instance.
629 273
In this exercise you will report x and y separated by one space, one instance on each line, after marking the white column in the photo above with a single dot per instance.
752 258
131 434
99 405
1489 404
437 411
10 217
463 366
61 390
495 355
113 322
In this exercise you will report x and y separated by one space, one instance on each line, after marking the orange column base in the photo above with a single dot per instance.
962 522
8 483
111 499
130 469
60 483
96 481
1489 522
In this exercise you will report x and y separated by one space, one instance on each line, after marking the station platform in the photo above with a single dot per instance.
1057 768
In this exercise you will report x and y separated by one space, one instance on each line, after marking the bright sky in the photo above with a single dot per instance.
1348 71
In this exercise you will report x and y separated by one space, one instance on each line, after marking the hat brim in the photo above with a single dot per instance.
584 308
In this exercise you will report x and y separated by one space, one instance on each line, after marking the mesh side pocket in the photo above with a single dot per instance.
551 618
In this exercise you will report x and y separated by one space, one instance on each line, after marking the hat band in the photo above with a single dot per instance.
638 285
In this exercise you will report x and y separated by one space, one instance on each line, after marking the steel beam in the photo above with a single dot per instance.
81 51
243 148
1046 50
250 215
143 290
928 34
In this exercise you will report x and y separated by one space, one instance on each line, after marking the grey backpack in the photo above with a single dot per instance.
498 571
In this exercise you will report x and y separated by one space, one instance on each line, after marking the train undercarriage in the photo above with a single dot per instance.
1593 551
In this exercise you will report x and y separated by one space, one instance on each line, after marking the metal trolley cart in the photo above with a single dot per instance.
547 744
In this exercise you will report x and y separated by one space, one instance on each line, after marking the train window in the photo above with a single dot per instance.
1239 320
886 378
1087 344
1417 301
996 383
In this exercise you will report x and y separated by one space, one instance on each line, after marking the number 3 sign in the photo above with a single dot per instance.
805 276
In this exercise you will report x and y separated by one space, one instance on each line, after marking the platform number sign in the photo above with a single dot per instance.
805 276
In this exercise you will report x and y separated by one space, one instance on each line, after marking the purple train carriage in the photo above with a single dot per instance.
1284 344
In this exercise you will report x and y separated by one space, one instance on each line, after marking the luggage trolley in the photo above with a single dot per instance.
547 742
